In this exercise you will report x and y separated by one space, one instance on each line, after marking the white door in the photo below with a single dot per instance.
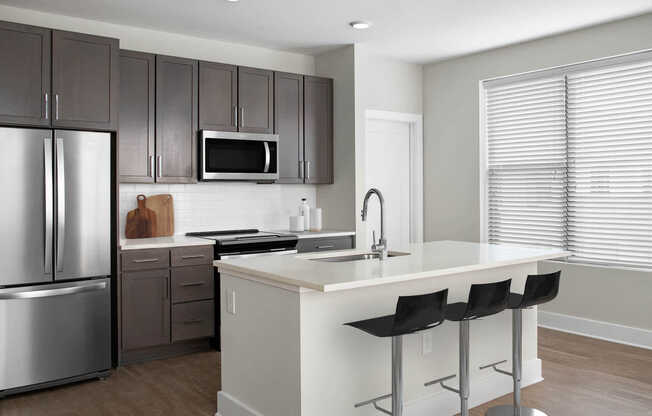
387 166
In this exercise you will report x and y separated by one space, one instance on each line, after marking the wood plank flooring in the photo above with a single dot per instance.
583 376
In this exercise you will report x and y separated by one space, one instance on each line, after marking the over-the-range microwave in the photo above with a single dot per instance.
230 156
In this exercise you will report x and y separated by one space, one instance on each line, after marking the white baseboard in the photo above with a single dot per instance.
621 334
441 402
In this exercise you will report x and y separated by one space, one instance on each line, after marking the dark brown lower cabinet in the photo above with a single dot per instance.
145 309
167 302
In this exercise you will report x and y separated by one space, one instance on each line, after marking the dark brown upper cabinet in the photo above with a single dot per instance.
318 130
255 100
136 130
25 96
85 83
176 119
218 96
288 124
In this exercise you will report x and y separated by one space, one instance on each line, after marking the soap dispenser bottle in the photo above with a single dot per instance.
304 210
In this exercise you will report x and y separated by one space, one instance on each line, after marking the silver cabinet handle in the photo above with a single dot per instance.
61 205
193 321
167 288
235 116
49 204
301 169
307 170
192 284
146 260
241 116
46 293
56 106
159 170
151 167
267 157
193 256
326 246
46 106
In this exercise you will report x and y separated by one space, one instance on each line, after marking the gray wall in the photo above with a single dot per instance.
451 132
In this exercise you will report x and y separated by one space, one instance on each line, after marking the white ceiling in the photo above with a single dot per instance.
411 30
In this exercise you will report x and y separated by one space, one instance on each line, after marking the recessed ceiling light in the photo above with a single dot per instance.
233 1
360 24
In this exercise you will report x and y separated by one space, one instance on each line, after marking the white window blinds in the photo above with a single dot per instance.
610 164
569 160
526 135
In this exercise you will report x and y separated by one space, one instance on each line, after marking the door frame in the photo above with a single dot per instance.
415 122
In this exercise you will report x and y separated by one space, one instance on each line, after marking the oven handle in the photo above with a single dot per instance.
267 253
267 157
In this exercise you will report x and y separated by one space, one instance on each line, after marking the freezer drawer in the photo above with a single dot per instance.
55 331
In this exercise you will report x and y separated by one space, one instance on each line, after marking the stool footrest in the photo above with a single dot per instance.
441 382
374 402
496 369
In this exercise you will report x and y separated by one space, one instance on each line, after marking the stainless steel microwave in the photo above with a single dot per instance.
229 156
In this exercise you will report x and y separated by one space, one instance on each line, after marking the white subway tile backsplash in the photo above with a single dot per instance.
207 206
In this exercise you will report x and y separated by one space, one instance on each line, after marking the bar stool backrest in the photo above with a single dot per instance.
414 313
540 288
487 299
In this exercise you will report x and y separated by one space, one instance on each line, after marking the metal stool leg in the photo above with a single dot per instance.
464 368
397 376
517 368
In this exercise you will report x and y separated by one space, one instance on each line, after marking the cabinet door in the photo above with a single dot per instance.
288 124
176 120
136 131
256 100
85 71
24 75
218 96
145 309
318 129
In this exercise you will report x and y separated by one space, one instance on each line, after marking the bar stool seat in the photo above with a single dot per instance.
484 300
413 314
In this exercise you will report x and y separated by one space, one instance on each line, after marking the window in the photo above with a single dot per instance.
569 160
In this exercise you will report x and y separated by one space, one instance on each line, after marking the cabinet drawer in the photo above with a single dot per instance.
145 259
192 283
192 320
192 256
308 245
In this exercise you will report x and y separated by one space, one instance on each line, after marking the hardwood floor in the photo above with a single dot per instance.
583 376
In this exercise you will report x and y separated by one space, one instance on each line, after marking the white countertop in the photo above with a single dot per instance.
317 234
163 242
426 260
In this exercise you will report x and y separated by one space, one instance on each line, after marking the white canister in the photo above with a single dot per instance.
315 219
296 223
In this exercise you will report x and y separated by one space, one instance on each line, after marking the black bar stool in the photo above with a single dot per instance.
413 314
484 300
539 288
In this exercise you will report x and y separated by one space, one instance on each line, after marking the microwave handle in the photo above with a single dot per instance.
267 157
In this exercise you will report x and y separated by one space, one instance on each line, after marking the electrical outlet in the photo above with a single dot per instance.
426 342
230 301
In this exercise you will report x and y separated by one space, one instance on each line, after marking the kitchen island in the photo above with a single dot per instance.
285 350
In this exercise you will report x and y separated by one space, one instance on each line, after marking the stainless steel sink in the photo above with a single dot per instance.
357 257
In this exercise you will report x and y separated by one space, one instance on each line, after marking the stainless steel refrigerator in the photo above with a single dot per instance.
55 257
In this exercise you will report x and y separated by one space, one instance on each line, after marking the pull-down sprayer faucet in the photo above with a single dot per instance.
381 247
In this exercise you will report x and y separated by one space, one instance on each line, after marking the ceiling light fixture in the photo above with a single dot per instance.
360 24
233 1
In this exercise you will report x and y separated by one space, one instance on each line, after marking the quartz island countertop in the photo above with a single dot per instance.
425 260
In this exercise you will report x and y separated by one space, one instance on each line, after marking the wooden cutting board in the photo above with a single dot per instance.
163 207
141 222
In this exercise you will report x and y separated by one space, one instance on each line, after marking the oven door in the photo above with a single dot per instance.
238 156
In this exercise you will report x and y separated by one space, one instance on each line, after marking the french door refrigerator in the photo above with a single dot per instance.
55 257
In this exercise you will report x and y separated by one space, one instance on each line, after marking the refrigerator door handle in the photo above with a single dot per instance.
46 293
61 205
49 204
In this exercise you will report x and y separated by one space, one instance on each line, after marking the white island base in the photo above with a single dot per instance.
285 351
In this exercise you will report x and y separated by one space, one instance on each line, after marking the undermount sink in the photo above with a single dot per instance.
356 257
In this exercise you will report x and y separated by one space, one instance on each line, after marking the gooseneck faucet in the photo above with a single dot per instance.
381 247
